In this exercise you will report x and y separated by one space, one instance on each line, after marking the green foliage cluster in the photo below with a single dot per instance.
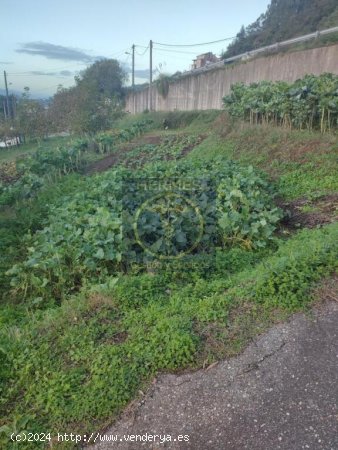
107 344
92 234
28 216
284 19
94 103
30 119
36 170
9 252
83 237
290 273
245 213
107 141
162 83
172 147
310 103
309 179
303 164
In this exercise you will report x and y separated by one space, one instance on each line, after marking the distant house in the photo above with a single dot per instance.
204 60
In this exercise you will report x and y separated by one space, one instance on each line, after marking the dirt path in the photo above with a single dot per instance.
118 156
281 393
111 160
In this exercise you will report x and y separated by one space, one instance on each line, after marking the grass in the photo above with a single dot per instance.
302 164
107 345
74 367
12 153
176 120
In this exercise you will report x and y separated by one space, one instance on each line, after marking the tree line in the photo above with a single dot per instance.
284 19
91 105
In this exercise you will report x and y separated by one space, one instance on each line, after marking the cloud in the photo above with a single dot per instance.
52 51
62 73
40 72
6 62
66 73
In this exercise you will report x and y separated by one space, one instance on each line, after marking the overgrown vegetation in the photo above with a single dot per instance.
91 310
91 235
25 177
285 19
162 84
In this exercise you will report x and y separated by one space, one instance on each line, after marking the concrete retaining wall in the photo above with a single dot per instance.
205 90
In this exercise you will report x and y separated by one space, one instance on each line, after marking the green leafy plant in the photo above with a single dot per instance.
309 103
92 234
34 171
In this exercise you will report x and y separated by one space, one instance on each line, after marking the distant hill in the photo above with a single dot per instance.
285 19
11 91
18 94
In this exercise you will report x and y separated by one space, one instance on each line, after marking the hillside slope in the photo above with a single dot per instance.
285 19
114 316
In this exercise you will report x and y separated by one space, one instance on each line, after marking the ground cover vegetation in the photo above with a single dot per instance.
106 280
27 175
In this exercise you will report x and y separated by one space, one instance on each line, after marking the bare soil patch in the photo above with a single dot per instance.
302 213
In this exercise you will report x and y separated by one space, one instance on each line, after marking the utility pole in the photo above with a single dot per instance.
133 67
7 96
5 112
133 76
150 74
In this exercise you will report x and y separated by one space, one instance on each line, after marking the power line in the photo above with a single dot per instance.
141 46
174 51
181 58
195 45
127 58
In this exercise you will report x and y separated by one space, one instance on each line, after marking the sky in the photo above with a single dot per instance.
45 43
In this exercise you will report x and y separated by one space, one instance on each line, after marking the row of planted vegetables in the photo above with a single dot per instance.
21 179
308 103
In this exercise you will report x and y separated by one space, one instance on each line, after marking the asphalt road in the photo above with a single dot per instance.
281 393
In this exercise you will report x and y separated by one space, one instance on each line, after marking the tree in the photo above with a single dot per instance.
105 78
284 19
30 120
62 108
94 102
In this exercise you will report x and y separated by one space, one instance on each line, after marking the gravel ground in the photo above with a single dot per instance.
280 393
